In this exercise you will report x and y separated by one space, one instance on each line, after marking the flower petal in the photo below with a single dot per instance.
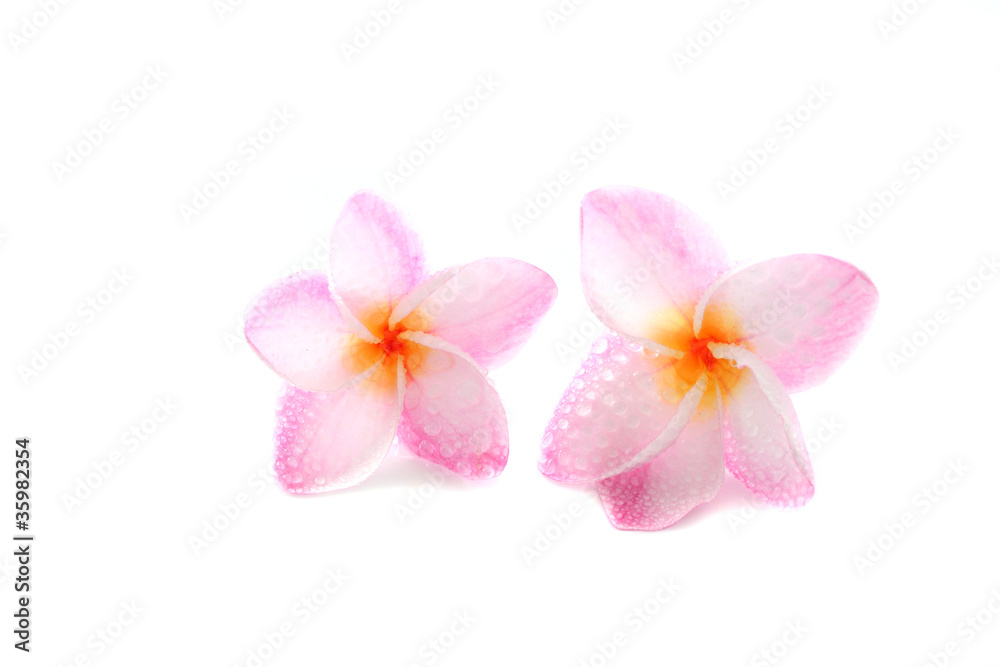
764 447
802 314
375 259
332 440
659 493
614 408
684 412
452 415
487 308
645 261
296 328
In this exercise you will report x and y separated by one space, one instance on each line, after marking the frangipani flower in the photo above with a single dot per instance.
698 379
373 348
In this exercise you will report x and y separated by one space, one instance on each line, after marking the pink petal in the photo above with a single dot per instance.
659 493
802 314
296 327
332 440
645 261
487 308
685 410
764 447
452 415
612 411
375 259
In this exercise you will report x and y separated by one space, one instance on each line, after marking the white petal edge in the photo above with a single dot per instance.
351 320
411 301
433 342
660 349
699 310
687 407
771 386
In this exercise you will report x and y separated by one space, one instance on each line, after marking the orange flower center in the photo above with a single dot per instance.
390 345
676 331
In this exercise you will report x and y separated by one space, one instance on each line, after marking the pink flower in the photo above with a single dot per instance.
373 349
698 378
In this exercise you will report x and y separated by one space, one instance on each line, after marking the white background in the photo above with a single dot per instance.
173 331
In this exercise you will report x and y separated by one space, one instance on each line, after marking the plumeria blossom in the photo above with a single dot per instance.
373 348
697 379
